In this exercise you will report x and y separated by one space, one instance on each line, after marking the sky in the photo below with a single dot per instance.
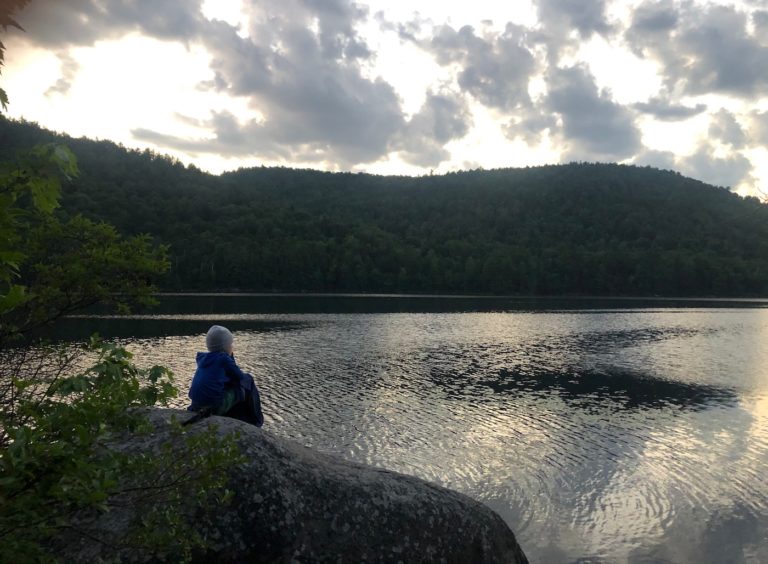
396 87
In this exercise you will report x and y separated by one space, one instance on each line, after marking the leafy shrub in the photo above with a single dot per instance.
61 471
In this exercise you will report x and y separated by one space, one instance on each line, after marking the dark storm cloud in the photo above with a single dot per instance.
593 125
495 69
663 109
701 48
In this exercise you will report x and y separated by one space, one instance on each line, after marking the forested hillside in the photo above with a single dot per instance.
572 229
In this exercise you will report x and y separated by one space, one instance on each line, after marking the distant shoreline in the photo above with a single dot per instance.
450 296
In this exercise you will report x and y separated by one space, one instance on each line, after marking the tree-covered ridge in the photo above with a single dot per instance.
597 229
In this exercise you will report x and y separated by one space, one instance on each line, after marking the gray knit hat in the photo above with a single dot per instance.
218 338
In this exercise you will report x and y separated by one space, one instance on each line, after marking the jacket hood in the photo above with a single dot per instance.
207 358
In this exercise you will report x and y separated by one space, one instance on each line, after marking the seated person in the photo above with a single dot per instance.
220 385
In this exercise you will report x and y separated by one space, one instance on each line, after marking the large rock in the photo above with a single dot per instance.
293 504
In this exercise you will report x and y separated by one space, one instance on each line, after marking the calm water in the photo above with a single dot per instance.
616 431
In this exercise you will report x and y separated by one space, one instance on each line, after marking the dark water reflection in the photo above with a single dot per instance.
635 432
626 390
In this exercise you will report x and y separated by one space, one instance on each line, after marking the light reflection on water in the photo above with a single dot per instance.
621 435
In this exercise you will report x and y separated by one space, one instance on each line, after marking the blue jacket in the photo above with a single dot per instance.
215 372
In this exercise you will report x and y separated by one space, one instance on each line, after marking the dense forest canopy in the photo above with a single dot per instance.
589 229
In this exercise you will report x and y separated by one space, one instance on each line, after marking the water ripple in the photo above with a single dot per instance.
610 436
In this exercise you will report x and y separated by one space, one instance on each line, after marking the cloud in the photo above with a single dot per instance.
558 18
725 128
722 168
728 170
663 160
69 70
530 126
420 141
307 75
594 127
410 30
665 110
701 48
652 19
301 68
758 128
585 16
704 164
63 23
227 135
493 68
443 118
760 22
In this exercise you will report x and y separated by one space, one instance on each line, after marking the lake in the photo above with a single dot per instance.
600 430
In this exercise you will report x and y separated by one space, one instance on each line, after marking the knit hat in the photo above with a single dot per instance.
218 338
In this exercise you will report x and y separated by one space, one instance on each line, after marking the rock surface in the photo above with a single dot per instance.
293 504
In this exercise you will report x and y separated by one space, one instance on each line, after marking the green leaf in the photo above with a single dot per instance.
45 193
15 296
66 160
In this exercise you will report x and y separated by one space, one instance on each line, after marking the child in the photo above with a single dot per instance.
220 384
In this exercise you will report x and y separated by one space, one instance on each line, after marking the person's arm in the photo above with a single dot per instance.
233 370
